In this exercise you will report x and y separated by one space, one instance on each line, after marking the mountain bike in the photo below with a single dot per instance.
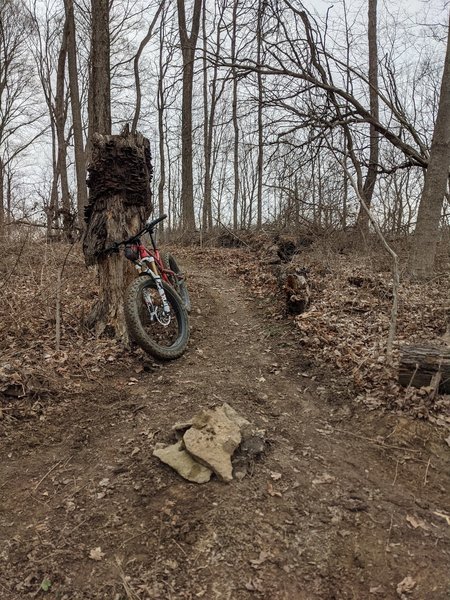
157 302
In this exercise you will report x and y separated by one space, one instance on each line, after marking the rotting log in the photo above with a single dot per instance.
419 366
119 176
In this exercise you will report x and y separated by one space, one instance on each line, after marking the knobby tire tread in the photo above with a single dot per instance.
137 331
170 262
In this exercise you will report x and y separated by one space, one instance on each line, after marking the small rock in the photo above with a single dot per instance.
253 445
176 457
235 417
214 437
182 426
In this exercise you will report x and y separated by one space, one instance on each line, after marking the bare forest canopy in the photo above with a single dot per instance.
257 112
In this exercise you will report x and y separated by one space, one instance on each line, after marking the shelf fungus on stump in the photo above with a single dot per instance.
119 177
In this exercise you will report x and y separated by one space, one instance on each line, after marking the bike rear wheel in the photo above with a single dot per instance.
177 281
163 335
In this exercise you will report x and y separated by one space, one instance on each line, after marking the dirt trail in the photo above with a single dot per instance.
344 504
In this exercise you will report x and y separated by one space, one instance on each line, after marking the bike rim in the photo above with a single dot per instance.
163 328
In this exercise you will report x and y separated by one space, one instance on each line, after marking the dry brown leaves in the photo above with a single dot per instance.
30 367
347 328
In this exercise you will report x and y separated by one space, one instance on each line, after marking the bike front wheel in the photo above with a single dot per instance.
162 333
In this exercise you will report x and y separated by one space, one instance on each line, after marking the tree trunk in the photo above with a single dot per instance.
161 102
60 121
206 209
99 84
235 119
137 81
119 180
188 46
2 200
435 185
80 160
260 119
371 176
52 209
209 118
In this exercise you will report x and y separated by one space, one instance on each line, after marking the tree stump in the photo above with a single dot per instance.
420 365
119 176
297 291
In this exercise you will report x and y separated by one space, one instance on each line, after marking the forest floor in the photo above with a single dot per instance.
345 503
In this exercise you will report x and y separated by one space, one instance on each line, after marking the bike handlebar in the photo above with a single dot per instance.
150 224
149 227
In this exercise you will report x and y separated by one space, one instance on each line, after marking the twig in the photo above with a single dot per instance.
180 547
412 377
426 471
396 471
131 594
382 445
232 233
50 471
389 532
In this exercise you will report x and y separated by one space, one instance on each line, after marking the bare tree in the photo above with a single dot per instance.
259 39
142 45
188 47
234 108
80 160
436 182
371 175
20 114
100 73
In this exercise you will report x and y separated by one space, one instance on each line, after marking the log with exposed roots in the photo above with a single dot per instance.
425 366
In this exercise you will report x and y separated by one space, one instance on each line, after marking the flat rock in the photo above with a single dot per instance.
213 438
176 457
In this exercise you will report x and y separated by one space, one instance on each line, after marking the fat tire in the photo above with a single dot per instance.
169 262
137 331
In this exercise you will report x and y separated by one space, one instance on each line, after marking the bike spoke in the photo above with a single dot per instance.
163 328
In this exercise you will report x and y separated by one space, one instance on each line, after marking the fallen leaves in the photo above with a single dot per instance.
406 586
347 327
326 478
272 492
257 562
96 554
417 522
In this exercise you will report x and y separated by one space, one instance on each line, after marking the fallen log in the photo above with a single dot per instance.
420 366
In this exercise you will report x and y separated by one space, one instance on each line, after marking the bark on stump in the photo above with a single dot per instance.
119 176
425 366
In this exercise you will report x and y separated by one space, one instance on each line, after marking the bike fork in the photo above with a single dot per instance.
153 272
